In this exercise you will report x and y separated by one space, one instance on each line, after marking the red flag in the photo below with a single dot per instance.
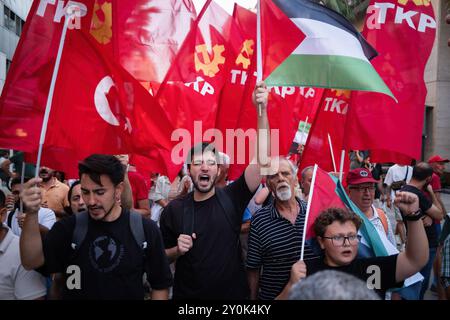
190 92
24 95
149 35
97 106
328 124
322 196
404 36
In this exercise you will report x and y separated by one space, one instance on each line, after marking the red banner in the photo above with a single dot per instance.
403 35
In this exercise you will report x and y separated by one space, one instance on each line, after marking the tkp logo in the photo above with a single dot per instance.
101 25
246 53
209 67
425 3
363 173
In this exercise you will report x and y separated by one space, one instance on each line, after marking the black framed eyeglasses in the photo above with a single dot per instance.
339 241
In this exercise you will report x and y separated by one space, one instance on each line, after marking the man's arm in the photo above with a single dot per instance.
143 208
415 255
253 282
298 272
31 251
126 199
253 171
184 244
436 211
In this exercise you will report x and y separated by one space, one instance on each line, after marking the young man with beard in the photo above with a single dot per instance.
337 233
276 234
54 192
110 259
201 230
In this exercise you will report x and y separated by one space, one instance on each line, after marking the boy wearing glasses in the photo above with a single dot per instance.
337 230
361 190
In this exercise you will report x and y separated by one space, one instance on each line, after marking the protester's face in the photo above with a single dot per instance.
306 182
15 190
45 174
76 200
339 252
438 167
204 171
362 195
282 184
100 199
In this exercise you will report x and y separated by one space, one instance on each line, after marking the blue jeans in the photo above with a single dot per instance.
426 272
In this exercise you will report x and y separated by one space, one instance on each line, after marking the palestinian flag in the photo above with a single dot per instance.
307 44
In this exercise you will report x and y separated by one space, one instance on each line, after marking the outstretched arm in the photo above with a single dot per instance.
253 171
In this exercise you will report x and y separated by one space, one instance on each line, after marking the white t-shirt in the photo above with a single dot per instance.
397 173
46 218
16 283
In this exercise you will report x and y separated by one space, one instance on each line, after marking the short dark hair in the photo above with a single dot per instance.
17 180
2 200
331 215
422 171
200 149
69 194
100 164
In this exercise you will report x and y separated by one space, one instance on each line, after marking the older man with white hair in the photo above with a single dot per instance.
276 234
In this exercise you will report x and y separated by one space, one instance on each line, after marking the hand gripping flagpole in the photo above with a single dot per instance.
70 13
258 49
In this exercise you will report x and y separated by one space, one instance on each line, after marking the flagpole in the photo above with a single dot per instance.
341 169
52 89
308 209
258 49
332 153
22 180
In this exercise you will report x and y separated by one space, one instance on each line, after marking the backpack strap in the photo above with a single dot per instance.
383 219
229 210
80 231
137 229
406 175
9 219
188 214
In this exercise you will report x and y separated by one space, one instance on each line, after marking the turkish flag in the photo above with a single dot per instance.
149 34
393 131
97 106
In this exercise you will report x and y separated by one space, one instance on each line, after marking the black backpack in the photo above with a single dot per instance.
81 228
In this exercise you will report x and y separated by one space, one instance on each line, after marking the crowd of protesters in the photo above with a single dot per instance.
110 235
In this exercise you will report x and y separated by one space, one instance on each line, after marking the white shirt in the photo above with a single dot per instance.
16 283
378 224
397 173
46 218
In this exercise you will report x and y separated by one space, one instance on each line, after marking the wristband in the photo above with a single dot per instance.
414 216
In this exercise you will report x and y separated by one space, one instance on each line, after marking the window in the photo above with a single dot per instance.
13 22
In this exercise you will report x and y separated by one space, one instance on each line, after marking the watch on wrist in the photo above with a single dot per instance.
414 216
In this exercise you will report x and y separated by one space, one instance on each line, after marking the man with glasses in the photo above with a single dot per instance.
337 233
361 190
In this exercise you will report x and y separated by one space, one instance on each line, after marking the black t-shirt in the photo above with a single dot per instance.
110 260
424 204
359 268
213 268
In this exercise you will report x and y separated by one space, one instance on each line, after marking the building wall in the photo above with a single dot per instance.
437 78
8 39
